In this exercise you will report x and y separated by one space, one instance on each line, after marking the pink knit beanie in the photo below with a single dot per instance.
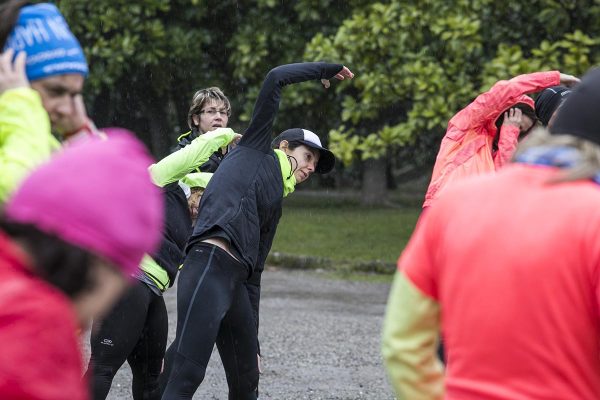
97 195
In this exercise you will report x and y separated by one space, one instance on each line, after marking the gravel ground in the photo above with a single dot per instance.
320 339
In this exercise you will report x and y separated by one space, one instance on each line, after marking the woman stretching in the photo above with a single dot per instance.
483 136
219 285
136 329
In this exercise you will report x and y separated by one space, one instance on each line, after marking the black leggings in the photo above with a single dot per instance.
136 331
212 307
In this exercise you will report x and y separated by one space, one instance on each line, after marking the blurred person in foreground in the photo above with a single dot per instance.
70 239
508 267
42 71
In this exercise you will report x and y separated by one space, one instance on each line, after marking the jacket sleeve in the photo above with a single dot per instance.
507 143
178 164
25 137
409 342
488 106
258 134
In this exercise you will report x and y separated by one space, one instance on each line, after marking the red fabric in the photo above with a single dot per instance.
514 263
39 350
466 148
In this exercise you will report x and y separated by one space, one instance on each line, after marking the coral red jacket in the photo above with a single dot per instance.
509 265
39 348
466 148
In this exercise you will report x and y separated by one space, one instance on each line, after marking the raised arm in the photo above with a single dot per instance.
177 165
488 106
25 136
258 134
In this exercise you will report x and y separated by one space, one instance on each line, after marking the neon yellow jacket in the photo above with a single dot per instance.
177 166
25 137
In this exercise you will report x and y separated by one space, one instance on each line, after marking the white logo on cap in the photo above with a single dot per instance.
311 137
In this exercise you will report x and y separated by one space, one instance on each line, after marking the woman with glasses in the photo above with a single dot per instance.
210 109
219 286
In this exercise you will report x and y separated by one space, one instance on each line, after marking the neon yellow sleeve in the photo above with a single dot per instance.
409 342
197 179
25 137
175 166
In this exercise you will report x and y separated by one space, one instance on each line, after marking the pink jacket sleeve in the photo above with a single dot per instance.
507 143
488 106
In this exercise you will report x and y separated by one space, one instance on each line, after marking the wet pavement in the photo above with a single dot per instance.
320 339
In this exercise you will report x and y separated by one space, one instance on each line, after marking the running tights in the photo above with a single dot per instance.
213 306
136 331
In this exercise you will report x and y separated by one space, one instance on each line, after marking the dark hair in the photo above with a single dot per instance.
295 143
526 109
63 265
9 13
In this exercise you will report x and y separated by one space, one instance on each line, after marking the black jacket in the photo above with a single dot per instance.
242 203
176 232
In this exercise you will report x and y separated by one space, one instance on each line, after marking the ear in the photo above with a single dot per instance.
283 145
196 120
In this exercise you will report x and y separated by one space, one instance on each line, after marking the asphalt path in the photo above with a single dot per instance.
320 339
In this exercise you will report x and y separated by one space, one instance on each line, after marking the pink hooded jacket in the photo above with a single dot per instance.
466 148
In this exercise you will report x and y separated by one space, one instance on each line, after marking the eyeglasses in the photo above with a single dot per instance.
213 111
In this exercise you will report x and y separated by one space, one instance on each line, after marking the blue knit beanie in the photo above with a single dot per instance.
51 47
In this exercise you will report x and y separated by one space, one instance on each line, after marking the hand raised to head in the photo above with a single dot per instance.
12 74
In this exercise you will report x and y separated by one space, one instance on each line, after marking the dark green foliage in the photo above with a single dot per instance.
417 62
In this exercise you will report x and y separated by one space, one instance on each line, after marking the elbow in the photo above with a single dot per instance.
276 74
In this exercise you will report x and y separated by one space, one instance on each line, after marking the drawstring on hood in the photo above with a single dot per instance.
287 174
290 161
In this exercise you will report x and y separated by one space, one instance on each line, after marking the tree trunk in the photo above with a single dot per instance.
374 182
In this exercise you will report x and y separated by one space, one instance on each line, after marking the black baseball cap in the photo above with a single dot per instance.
309 139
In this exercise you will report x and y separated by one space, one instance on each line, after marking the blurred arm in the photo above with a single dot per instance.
409 343
25 137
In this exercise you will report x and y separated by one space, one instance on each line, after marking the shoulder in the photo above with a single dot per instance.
186 138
